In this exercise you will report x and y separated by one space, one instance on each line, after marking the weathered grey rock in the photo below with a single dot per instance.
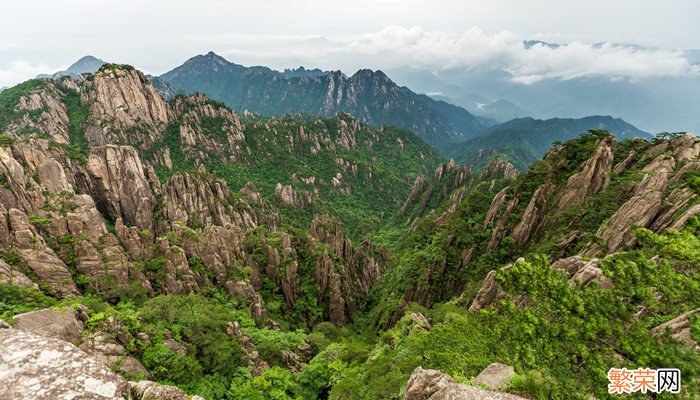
107 351
36 367
679 329
495 376
121 187
490 291
55 324
9 276
533 215
583 272
125 108
147 390
419 322
428 384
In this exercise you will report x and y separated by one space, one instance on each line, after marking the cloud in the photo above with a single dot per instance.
416 47
506 51
18 71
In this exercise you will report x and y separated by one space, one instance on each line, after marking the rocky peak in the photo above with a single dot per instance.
125 107
593 177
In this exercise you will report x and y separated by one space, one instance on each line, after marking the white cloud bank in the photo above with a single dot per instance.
433 50
18 71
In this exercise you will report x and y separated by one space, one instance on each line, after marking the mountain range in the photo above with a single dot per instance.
175 248
523 141
368 95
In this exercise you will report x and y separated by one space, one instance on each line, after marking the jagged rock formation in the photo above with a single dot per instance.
428 384
125 107
593 177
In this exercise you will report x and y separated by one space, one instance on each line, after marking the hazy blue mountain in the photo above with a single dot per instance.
87 64
523 141
369 95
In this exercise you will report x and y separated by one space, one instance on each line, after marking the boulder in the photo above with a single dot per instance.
147 390
495 376
61 324
428 384
36 367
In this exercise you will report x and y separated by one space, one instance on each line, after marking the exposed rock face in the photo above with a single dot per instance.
9 276
594 177
147 390
534 213
126 108
196 114
121 188
428 384
490 291
50 270
342 285
53 118
578 270
35 367
679 329
640 209
44 368
54 324
495 376
499 167
109 352
244 290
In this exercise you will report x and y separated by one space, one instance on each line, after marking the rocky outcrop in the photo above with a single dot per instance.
490 291
500 168
120 185
43 113
39 257
593 177
147 390
342 286
679 329
61 324
107 351
577 269
36 367
533 215
638 210
583 271
10 276
125 107
428 384
207 127
496 376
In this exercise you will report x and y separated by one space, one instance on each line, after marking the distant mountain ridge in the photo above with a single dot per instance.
85 65
523 141
369 95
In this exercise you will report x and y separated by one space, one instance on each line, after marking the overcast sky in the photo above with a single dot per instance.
40 36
